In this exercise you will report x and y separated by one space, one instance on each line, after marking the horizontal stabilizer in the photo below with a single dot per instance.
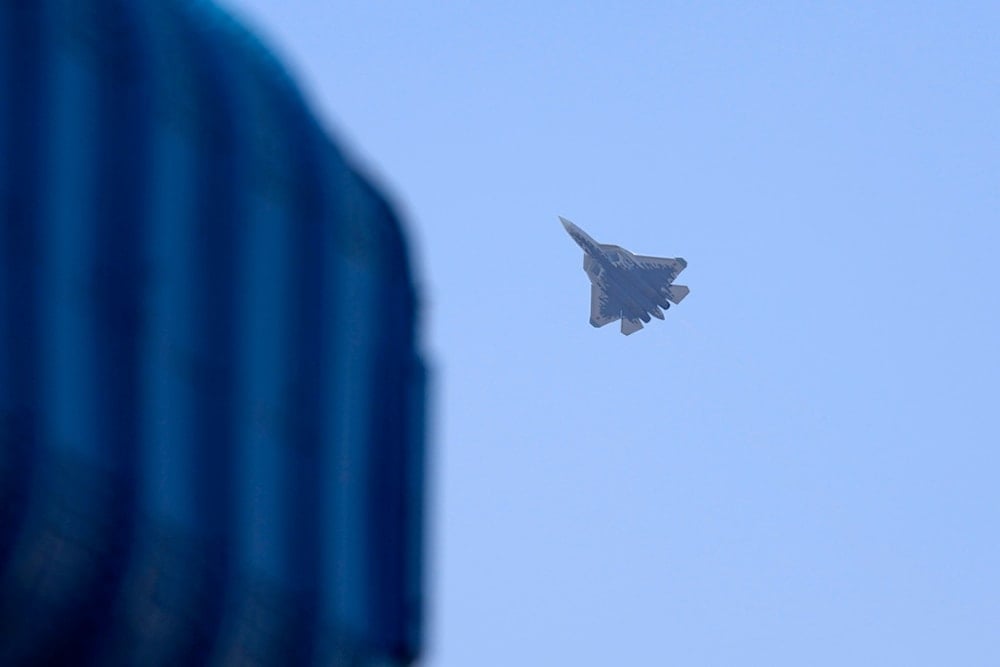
676 293
630 326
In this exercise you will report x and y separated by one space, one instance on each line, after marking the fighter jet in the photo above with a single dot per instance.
626 286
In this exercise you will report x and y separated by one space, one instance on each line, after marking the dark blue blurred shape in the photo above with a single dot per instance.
211 402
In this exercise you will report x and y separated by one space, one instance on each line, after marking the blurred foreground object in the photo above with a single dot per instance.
211 401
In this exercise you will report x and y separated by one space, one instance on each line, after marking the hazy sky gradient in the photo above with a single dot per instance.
800 465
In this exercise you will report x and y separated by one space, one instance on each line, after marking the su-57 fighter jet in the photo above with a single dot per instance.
626 286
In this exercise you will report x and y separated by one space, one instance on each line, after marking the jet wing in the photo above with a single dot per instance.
661 270
603 310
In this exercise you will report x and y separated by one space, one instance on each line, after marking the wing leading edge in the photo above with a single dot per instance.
664 269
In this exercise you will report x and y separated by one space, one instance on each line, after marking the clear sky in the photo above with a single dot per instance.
801 465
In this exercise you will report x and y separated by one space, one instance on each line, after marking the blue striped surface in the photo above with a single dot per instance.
210 398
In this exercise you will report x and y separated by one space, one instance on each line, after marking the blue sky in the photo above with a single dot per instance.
800 465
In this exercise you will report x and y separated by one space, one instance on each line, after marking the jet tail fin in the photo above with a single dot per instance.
676 293
630 326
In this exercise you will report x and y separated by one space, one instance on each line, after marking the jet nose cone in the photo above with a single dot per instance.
565 223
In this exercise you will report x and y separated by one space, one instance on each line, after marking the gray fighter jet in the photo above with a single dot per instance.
626 286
